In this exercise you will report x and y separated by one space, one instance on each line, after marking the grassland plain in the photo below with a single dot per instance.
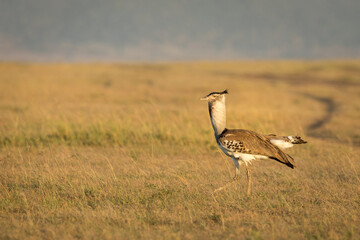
126 151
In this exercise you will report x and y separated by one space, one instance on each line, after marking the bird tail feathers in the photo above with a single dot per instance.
284 142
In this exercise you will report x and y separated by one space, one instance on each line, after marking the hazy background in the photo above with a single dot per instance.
162 30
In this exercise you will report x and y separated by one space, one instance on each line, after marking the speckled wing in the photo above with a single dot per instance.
250 142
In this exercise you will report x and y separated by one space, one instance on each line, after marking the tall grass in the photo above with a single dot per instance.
126 151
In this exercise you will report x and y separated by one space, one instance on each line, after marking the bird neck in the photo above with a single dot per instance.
217 112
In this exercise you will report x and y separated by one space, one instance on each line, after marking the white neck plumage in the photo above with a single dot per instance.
217 112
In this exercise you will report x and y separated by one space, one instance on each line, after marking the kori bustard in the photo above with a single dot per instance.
243 146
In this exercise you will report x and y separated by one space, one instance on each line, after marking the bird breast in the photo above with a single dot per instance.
236 152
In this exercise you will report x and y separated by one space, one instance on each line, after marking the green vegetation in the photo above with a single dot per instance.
125 151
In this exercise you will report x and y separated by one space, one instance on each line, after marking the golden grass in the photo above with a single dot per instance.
126 151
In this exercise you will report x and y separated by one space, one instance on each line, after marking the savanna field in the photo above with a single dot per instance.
126 151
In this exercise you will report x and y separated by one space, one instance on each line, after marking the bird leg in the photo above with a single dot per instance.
236 177
248 174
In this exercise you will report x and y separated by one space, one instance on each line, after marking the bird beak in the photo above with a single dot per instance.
204 98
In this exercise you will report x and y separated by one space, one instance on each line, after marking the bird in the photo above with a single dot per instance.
244 146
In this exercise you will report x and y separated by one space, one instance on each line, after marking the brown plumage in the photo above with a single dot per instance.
251 142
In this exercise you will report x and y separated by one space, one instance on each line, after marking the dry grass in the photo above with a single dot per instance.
126 151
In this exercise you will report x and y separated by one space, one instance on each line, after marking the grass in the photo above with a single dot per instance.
126 151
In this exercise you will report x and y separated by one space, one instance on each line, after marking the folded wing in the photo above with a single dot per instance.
250 142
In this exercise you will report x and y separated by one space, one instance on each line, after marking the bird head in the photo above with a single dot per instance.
214 96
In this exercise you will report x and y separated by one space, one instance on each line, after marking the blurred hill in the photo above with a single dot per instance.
160 30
